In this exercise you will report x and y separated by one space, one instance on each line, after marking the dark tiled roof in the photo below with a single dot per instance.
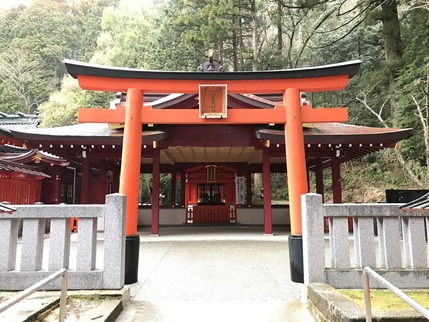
21 168
34 155
18 121
75 68
82 132
7 148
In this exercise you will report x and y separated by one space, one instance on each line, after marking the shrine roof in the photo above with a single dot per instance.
33 155
319 133
335 133
83 132
18 121
213 143
75 68
21 168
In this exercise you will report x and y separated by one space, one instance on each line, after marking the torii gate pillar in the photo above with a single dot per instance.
130 180
296 177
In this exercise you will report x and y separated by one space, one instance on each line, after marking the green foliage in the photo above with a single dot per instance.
62 108
126 38
164 189
279 189
87 23
35 41
413 84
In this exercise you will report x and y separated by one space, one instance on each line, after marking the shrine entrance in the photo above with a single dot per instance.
210 195
212 90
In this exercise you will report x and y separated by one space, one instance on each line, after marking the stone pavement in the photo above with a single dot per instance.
215 273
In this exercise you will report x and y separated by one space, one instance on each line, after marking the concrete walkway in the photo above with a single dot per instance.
215 274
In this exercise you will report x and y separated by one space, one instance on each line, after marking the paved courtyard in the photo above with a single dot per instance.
215 274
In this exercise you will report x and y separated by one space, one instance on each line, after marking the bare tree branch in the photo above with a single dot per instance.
302 6
398 154
425 125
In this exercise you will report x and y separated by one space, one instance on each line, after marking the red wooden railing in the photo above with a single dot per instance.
18 188
211 214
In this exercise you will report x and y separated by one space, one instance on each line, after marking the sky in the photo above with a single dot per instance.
7 4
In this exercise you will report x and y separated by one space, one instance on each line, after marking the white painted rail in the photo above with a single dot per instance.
32 289
367 290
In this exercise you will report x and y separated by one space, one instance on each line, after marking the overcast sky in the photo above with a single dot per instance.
6 4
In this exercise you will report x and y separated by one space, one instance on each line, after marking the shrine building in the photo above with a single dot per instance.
211 132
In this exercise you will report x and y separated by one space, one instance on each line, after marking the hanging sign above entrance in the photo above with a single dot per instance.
213 101
211 173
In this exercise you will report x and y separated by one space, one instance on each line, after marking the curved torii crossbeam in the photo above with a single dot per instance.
291 113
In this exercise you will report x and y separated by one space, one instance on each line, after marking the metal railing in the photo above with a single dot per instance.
27 292
368 271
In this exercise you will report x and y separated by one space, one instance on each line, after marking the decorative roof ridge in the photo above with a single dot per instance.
35 155
75 68
18 115
22 168
364 126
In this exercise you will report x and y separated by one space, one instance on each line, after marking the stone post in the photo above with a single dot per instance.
313 238
114 241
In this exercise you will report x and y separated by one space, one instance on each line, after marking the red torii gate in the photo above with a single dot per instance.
292 114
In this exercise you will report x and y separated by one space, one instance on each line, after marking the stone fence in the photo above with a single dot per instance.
385 238
19 273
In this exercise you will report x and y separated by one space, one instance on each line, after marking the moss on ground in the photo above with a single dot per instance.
385 300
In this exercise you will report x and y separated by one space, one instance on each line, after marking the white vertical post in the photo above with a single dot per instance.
63 299
367 293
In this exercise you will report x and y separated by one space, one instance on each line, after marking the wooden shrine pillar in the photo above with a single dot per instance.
130 179
297 178
249 188
173 188
182 188
84 186
115 181
319 177
337 194
266 173
102 184
336 180
155 191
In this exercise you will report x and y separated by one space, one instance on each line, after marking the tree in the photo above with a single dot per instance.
35 41
87 16
62 108
21 81
126 38
63 105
